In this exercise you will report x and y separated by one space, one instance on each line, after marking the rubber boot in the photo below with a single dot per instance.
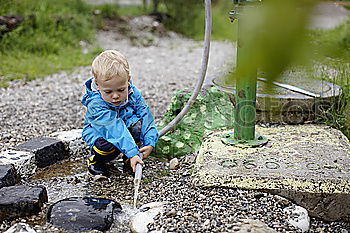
97 167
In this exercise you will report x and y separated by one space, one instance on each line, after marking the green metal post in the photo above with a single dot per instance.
246 81
245 95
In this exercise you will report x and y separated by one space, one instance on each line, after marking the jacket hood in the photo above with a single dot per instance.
90 93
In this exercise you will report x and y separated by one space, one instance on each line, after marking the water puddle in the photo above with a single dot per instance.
61 169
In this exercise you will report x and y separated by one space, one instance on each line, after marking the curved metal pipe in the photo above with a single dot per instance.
198 87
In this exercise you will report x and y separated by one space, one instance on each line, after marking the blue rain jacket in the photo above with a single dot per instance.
102 119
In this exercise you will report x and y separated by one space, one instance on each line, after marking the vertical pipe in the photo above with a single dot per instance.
246 81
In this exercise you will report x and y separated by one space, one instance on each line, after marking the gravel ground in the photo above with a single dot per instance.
43 106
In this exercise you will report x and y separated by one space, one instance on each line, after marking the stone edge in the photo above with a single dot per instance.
24 161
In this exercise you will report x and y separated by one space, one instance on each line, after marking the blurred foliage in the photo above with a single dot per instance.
273 33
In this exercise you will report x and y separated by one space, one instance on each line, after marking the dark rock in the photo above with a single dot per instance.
83 213
9 22
47 150
326 206
8 175
18 201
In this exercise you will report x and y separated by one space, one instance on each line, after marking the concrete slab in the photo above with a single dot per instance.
306 158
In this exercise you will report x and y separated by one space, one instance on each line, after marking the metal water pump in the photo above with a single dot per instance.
246 83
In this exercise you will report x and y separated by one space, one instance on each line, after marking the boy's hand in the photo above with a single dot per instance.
146 150
134 160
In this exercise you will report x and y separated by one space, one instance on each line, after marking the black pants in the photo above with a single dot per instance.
104 151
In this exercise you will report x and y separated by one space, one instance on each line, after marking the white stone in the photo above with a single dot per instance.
298 217
145 216
24 161
174 164
20 228
73 141
67 136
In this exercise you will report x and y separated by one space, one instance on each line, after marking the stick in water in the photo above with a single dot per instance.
137 180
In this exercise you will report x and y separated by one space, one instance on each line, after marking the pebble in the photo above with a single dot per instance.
174 164
171 213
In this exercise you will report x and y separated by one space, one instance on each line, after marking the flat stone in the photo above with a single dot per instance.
306 158
23 161
8 175
19 201
83 213
73 141
47 151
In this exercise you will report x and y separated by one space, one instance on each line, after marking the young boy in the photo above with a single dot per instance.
117 119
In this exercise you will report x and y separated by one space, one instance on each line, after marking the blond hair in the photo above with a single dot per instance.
109 64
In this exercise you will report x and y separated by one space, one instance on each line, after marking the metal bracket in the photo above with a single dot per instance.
229 139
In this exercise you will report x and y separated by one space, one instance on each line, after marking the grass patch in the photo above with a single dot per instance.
338 114
48 40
